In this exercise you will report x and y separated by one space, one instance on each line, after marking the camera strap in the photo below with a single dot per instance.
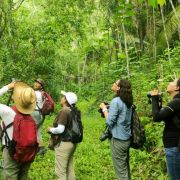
170 108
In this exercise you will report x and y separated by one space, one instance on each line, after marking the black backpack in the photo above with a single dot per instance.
138 137
76 131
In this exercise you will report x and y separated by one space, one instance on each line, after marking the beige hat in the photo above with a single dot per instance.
40 81
24 98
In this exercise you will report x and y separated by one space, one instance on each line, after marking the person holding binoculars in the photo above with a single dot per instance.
170 114
118 119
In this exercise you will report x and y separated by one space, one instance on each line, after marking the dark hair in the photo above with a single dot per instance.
76 110
72 107
125 92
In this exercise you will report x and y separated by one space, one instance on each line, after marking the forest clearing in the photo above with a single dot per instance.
84 46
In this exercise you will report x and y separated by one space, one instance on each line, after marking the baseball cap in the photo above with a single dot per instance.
70 97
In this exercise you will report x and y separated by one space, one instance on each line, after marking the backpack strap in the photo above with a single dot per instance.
133 110
133 107
7 139
4 130
39 109
132 114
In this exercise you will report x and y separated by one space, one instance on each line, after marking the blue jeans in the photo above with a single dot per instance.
173 162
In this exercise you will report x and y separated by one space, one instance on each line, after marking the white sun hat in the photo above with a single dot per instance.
70 97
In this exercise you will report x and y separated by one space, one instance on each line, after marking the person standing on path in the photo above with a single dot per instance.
37 115
25 101
65 148
170 114
118 119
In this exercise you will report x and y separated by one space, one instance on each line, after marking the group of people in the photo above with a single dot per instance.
29 102
118 118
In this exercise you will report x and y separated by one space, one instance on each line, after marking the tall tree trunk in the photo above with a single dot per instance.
162 15
109 47
115 39
83 69
178 20
79 77
62 76
154 36
141 25
126 50
119 41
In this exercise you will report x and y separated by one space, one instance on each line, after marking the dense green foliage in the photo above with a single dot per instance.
83 46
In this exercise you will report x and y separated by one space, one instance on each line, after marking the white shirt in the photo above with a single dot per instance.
7 115
58 130
39 100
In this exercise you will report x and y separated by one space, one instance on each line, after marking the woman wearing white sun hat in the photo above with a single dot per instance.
64 149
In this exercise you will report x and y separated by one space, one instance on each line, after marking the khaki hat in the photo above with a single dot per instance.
40 81
24 98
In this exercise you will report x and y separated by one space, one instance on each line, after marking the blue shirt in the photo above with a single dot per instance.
119 119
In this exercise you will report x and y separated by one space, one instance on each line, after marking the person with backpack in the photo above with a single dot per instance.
19 138
41 110
65 146
170 114
118 119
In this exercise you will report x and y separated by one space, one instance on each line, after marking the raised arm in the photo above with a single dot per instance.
166 112
6 88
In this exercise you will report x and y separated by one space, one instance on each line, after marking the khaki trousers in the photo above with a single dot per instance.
64 167
14 170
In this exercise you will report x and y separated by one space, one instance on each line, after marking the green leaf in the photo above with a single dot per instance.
161 2
153 3
122 56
